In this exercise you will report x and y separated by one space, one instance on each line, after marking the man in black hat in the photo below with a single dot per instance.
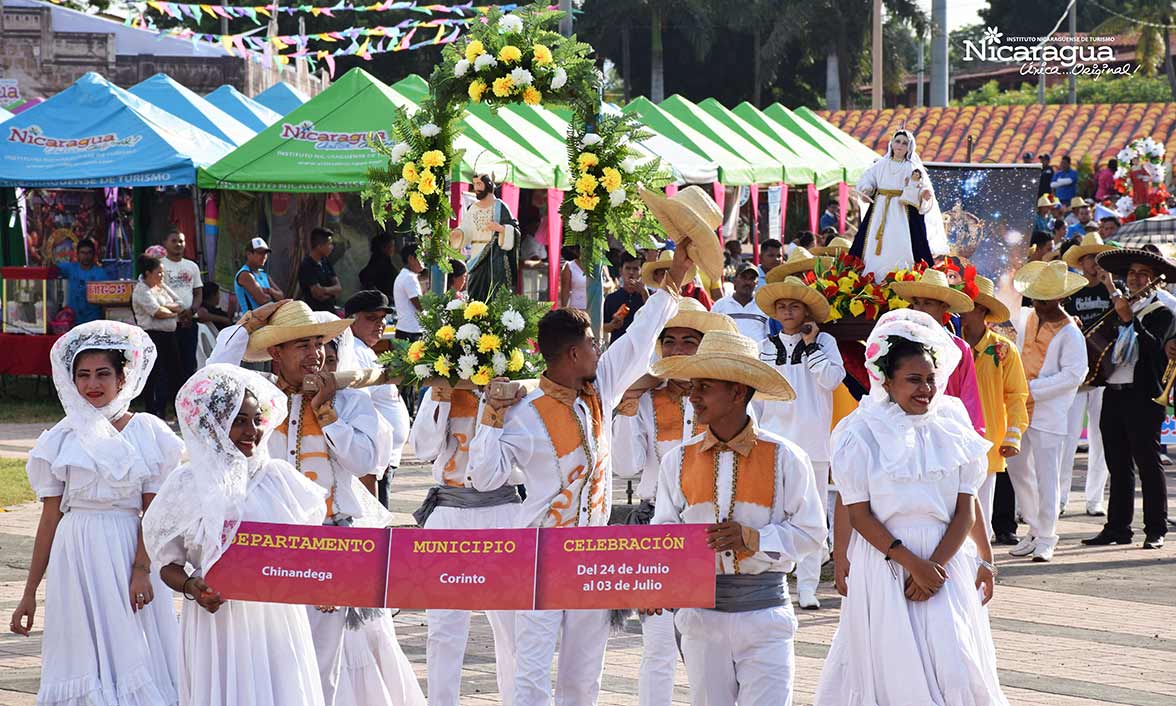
369 308
1130 423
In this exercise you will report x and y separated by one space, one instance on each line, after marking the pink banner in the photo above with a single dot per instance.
456 189
510 197
842 206
304 564
554 241
462 569
755 234
625 566
814 198
720 195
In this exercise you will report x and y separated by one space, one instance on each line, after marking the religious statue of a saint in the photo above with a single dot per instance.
488 240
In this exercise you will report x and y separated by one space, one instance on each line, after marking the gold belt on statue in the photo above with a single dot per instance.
887 193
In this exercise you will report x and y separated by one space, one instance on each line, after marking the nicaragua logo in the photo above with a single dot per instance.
1055 54
35 136
306 132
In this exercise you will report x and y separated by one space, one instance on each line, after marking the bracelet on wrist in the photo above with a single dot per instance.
893 545
990 566
184 589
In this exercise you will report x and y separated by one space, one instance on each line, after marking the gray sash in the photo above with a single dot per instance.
465 498
740 593
641 514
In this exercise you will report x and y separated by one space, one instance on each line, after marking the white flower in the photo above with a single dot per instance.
509 24
422 371
484 61
423 227
460 68
591 139
559 79
616 197
498 361
455 305
430 130
468 332
1125 206
1126 155
628 165
578 221
521 77
513 320
466 366
399 188
399 151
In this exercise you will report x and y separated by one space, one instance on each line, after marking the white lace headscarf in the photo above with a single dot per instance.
114 457
913 326
202 500
933 219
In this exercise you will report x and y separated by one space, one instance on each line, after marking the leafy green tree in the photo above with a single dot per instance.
1149 20
1124 89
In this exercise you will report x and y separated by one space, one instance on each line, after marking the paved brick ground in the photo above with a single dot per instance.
1096 626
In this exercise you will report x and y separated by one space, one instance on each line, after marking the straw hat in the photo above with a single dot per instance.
691 213
933 285
792 288
1046 201
1091 244
1046 281
986 297
1078 202
835 247
732 357
294 320
799 260
663 262
1121 259
693 315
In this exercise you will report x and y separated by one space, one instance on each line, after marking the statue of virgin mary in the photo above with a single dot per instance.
894 235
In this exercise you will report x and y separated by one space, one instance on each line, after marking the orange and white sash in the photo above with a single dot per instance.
463 410
580 465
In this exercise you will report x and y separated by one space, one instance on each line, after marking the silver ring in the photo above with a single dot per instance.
141 596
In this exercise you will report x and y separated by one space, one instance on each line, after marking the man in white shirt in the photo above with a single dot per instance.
741 305
369 308
406 294
560 438
183 277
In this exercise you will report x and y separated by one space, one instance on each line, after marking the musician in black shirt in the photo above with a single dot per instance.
1088 305
1131 426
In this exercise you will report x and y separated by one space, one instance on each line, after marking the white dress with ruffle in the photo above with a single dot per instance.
889 651
375 669
97 651
251 654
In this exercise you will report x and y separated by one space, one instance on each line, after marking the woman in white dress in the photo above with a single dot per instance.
908 465
233 653
375 669
111 636
892 235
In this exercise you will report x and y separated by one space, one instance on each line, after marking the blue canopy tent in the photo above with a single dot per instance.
281 98
247 111
185 104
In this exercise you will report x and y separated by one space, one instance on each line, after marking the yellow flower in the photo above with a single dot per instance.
503 86
532 96
510 54
488 343
586 202
433 158
845 284
409 172
476 89
586 160
834 314
482 377
475 310
542 55
897 303
586 184
445 334
517 360
611 181
416 200
857 308
416 351
428 183
441 365
473 50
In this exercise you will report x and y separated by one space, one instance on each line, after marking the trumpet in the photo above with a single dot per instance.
1166 381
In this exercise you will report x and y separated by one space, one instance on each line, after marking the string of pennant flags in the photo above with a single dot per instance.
197 11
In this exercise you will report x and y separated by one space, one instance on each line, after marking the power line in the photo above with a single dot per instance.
1134 20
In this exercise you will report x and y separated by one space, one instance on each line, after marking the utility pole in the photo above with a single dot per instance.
876 86
919 87
938 53
1074 43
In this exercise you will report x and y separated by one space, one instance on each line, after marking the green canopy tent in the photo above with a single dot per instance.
768 168
826 172
859 148
853 163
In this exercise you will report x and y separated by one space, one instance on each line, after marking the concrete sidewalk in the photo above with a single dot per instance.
1096 626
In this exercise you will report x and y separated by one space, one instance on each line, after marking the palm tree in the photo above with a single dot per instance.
773 30
1150 19
845 26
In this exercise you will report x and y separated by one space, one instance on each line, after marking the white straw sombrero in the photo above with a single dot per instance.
732 357
986 297
663 262
792 288
693 315
1091 244
691 213
835 247
294 320
933 285
799 260
1046 281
